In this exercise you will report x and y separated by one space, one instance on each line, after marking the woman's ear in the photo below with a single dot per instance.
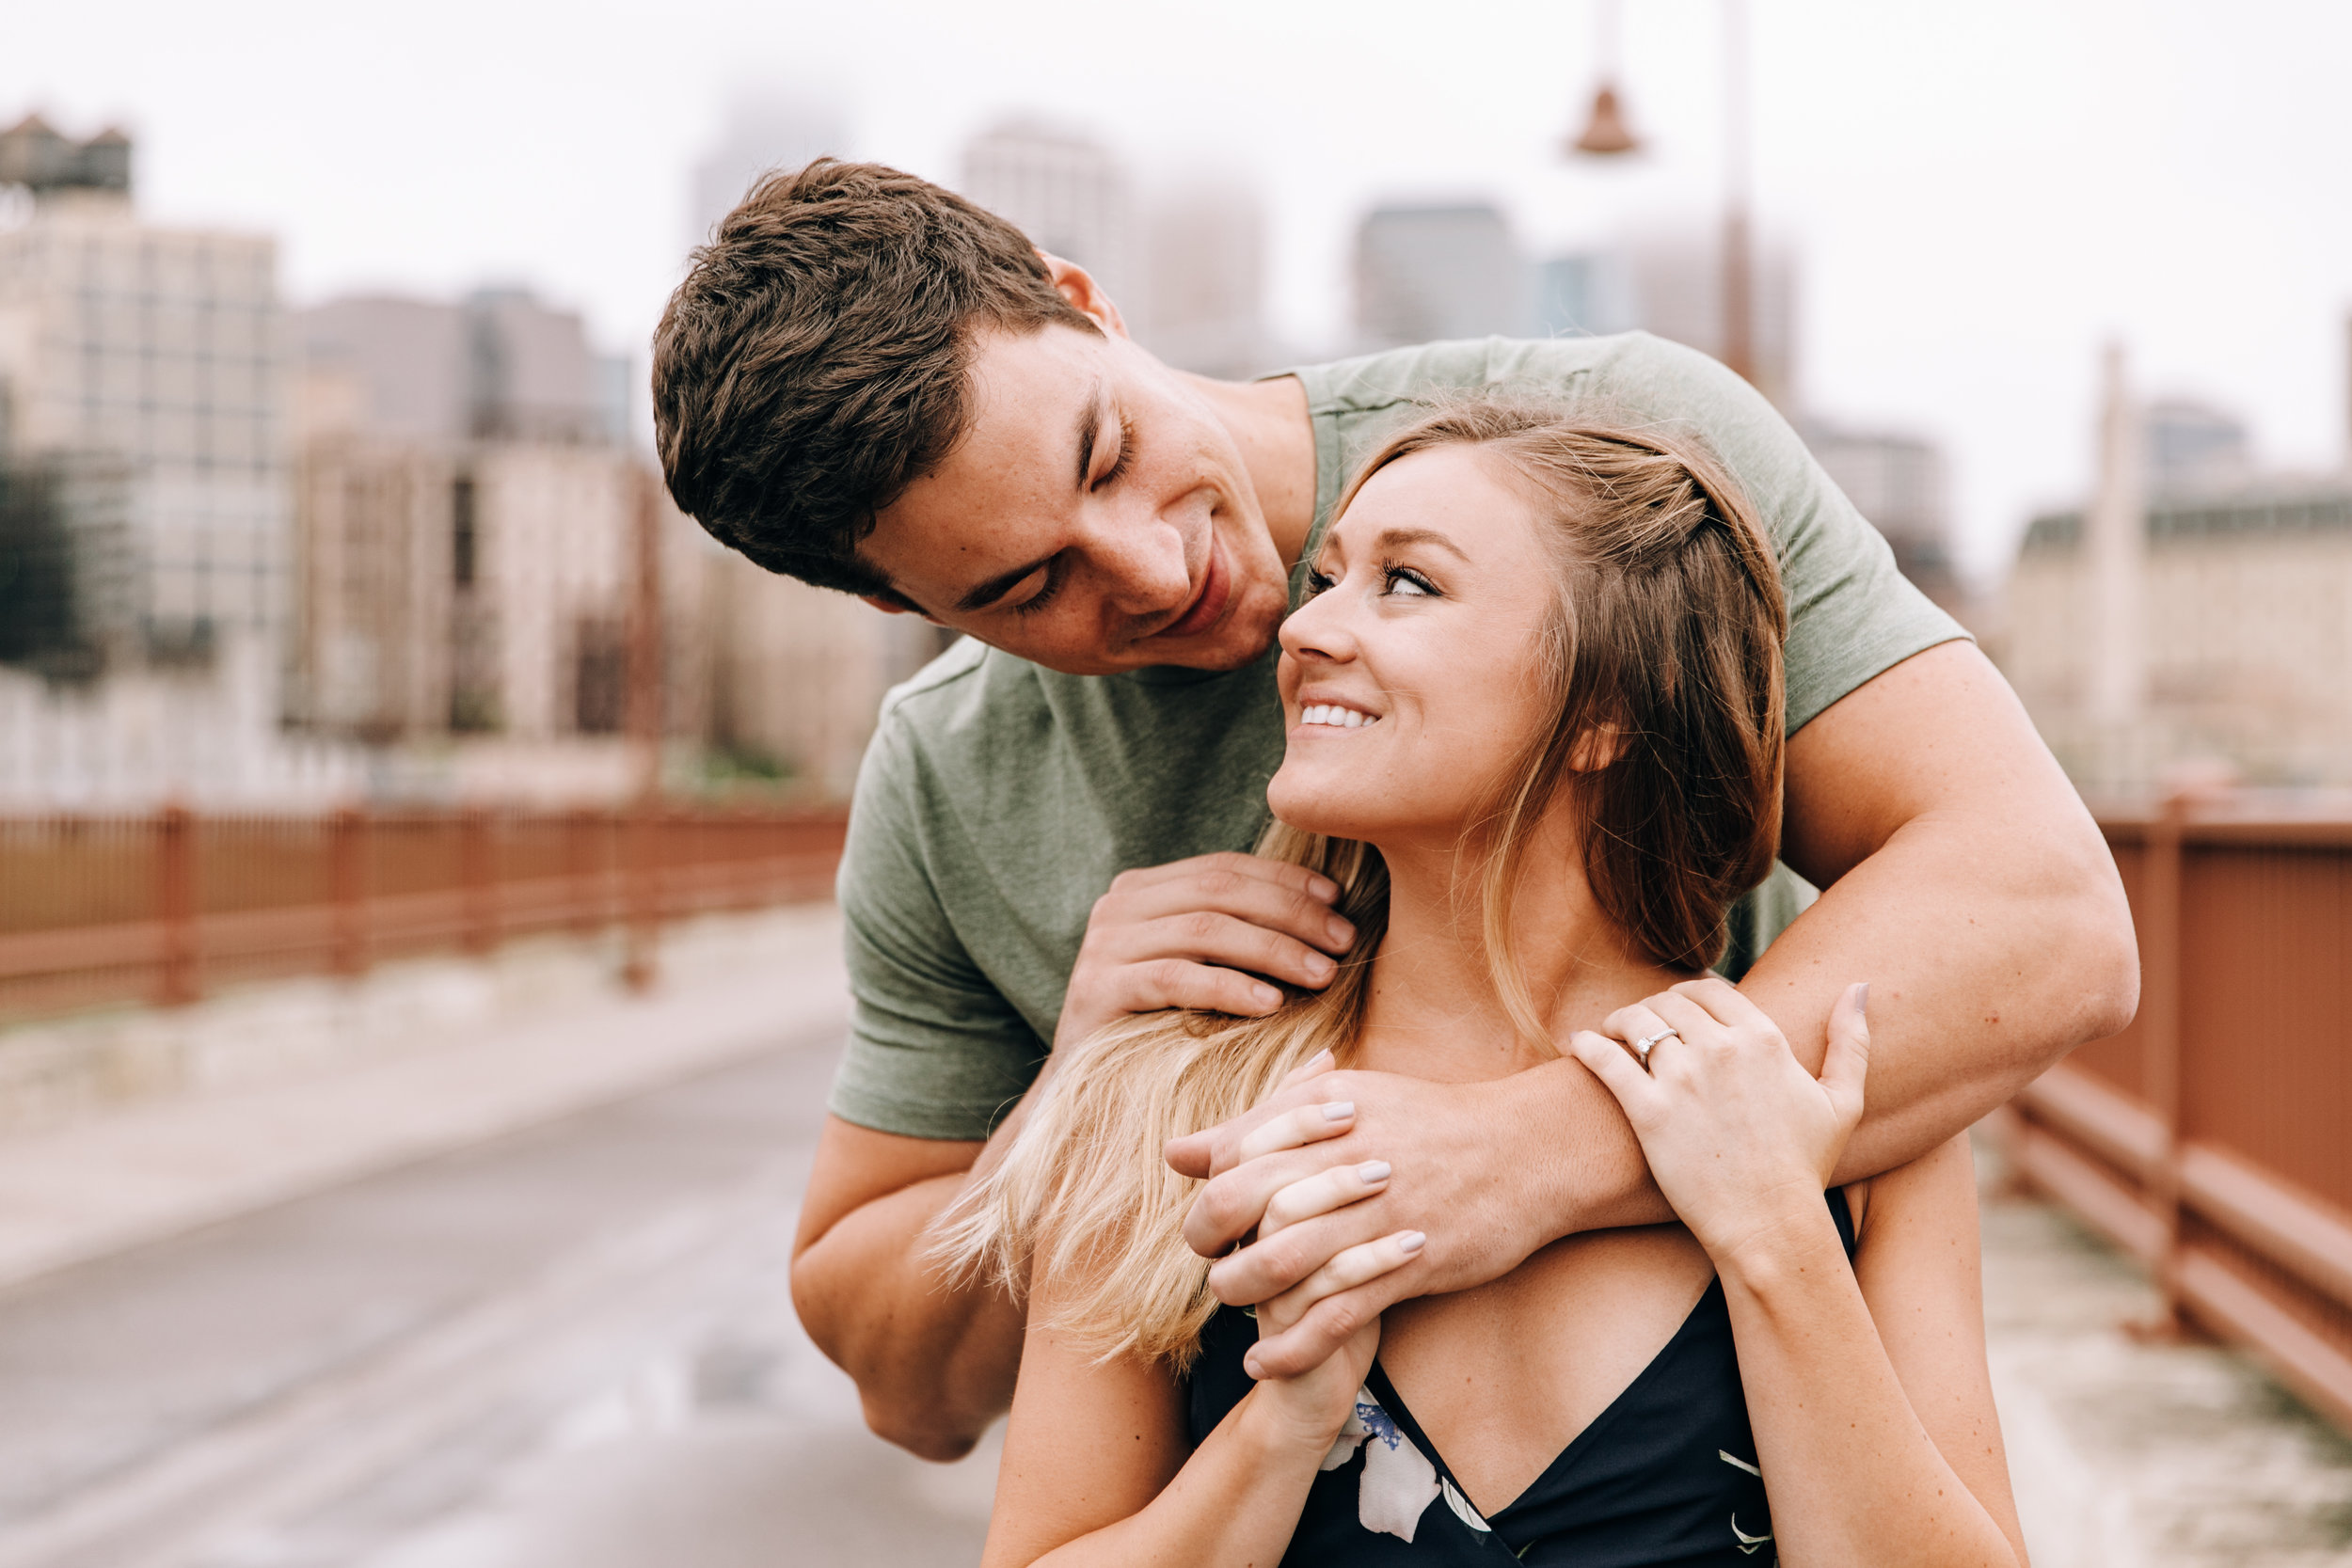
1597 748
1086 296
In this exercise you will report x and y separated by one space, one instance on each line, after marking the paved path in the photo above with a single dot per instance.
2133 1454
522 1303
572 1345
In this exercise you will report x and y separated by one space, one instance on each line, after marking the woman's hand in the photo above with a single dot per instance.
1739 1137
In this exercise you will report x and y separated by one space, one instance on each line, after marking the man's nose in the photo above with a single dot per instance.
1145 568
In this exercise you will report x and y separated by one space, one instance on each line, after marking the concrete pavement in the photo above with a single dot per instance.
519 1299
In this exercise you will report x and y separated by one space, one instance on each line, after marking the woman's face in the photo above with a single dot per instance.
1410 679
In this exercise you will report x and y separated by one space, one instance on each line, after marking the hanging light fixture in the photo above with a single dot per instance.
1605 133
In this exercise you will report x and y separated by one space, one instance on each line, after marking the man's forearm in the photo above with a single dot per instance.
934 1357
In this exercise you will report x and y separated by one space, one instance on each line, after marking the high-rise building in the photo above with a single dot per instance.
160 353
2194 610
1424 273
760 134
2244 637
1067 192
1901 485
1676 279
1202 308
2191 445
467 507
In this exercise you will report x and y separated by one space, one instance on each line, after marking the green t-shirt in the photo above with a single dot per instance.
998 799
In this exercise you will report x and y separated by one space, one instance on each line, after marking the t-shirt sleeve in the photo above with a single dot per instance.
935 1051
1851 614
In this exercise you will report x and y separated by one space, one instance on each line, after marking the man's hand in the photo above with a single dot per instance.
1478 1168
1198 933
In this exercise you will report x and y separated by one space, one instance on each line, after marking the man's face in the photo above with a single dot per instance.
1096 517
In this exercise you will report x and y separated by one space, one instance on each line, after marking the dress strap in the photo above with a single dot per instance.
1841 1211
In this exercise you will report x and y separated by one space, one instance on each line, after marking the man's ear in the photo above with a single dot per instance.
1086 296
890 604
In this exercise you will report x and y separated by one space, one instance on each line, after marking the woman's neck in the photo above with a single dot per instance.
1434 1011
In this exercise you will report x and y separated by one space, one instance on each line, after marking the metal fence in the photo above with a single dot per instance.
157 908
2212 1139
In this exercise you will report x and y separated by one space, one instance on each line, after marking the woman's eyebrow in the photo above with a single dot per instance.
1419 536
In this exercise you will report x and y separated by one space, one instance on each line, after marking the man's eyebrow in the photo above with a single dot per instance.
998 586
1089 421
1419 536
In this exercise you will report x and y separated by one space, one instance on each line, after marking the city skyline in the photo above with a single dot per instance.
1978 198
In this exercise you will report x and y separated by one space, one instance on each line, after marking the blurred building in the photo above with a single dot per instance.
798 673
1670 282
775 132
157 355
1590 294
2189 446
1203 267
466 505
2196 611
1070 194
1901 485
144 497
1426 273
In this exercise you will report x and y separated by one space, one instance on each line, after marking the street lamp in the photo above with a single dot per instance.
1605 135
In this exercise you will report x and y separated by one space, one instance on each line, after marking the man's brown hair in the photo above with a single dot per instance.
812 364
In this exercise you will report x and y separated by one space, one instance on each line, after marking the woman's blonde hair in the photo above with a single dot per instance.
1663 652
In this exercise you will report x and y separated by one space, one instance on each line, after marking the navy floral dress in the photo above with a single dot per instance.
1665 1477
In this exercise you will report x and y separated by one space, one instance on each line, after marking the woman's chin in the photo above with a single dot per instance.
1316 810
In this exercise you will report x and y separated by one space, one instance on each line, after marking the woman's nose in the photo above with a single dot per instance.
1318 629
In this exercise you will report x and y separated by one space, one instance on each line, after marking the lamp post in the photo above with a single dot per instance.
1606 136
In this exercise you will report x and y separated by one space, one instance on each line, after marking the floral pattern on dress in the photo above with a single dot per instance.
1399 1482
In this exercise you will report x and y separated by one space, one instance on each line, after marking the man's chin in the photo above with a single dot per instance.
1242 639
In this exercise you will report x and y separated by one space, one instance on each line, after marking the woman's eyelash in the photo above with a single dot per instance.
1316 582
1392 574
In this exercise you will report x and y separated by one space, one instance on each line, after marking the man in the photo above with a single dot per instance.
868 383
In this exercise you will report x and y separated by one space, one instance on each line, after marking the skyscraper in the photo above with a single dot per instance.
1430 272
1067 192
1203 306
161 351
771 131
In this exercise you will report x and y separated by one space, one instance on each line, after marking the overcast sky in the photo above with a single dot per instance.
1978 192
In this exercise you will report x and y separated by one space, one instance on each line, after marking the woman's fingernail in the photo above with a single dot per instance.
1321 967
1338 1109
1323 888
1340 932
1371 1171
1862 997
1322 1057
1266 997
1410 1243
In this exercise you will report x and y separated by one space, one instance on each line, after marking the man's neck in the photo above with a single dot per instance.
1269 421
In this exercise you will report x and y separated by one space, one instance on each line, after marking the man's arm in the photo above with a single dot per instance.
935 1356
934 1359
1964 882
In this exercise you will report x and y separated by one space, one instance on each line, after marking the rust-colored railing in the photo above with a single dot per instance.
2212 1139
158 908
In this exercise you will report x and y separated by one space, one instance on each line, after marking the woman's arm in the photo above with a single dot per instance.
1095 1469
1865 1387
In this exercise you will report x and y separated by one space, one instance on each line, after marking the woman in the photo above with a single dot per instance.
1537 734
